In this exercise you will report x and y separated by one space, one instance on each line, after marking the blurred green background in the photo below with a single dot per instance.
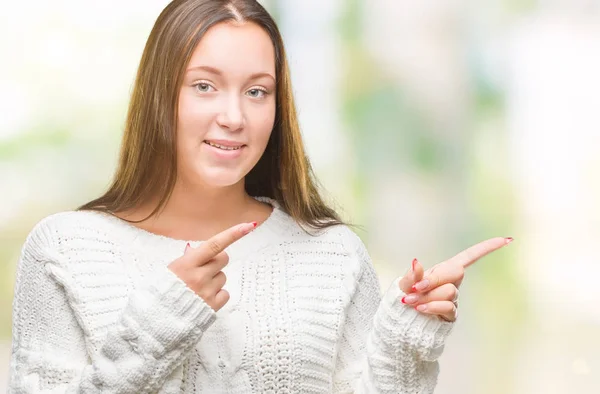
433 124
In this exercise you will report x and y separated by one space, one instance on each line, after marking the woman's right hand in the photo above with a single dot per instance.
200 268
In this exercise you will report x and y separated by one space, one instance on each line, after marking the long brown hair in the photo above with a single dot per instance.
148 159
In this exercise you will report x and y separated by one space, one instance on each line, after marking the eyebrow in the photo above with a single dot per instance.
218 72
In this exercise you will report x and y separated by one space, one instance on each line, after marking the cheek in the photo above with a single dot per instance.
192 118
264 125
192 124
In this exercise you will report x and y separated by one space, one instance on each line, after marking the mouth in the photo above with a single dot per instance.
225 145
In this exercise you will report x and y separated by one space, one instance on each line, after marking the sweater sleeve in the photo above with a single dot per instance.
387 347
160 324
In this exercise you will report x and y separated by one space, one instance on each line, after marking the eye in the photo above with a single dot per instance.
257 93
203 87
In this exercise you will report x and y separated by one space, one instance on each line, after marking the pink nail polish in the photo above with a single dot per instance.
421 308
187 246
414 263
508 239
409 299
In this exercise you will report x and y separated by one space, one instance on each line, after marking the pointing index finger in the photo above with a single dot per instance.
216 244
477 251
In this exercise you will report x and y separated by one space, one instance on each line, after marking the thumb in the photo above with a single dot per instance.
414 274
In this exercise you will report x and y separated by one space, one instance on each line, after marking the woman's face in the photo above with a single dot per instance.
226 105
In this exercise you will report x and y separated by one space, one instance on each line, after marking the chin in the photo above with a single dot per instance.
221 177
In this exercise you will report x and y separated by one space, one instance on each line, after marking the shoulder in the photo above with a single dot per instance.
340 240
55 230
352 245
348 238
360 266
339 236
344 237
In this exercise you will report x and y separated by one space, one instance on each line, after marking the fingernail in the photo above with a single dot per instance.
409 299
414 263
508 239
421 308
187 246
420 286
246 228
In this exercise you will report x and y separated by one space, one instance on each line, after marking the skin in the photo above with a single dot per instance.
228 93
221 98
433 291
201 268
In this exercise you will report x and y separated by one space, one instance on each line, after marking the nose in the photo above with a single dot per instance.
231 117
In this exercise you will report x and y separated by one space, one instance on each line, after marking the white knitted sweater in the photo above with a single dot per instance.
97 311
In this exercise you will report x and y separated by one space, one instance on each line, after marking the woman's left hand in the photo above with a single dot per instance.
435 291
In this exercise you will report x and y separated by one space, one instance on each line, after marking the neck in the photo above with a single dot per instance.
195 212
206 205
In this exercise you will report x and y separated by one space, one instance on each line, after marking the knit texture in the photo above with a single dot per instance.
96 310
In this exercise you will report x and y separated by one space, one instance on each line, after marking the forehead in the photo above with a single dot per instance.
236 48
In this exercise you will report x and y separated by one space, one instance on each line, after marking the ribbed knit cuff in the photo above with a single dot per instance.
165 314
398 324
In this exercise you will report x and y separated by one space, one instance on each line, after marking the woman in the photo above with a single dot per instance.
121 296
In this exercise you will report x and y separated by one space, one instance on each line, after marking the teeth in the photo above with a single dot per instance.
223 147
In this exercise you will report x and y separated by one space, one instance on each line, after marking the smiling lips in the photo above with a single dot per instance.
224 144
